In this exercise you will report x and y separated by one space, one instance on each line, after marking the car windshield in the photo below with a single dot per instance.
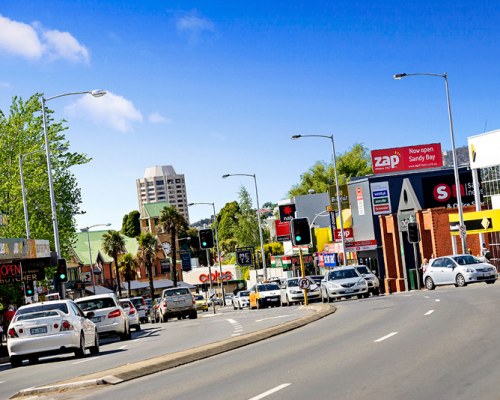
96 304
466 260
244 293
38 314
266 287
293 282
363 269
137 302
199 297
43 307
342 274
317 279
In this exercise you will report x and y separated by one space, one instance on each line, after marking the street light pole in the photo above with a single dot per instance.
264 269
90 252
95 93
216 228
339 202
463 233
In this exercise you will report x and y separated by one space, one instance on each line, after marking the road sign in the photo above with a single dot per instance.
244 257
304 283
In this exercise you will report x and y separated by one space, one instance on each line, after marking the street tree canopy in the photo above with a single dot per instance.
355 162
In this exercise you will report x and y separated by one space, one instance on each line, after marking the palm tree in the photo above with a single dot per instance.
146 256
128 269
172 223
113 244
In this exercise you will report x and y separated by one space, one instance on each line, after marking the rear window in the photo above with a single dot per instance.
37 315
96 304
44 307
137 301
363 270
176 292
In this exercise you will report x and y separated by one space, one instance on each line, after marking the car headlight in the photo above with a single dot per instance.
295 291
316 289
361 282
470 270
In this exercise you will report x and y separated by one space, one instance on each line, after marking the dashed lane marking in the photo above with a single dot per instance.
385 337
429 312
270 391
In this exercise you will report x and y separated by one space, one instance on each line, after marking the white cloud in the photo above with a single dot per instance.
157 118
194 26
19 39
35 42
112 110
4 84
63 45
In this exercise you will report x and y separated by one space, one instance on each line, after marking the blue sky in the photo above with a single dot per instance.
216 87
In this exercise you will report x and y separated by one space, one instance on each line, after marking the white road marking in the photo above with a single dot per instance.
2 381
437 300
427 297
386 337
83 361
231 321
270 391
265 319
429 312
236 334
123 347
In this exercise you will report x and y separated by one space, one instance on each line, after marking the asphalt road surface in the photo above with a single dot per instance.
441 344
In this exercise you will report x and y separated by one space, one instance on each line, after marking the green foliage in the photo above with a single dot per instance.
146 256
113 244
131 226
227 221
128 269
246 232
355 162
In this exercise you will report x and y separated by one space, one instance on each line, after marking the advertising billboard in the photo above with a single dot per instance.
483 149
407 158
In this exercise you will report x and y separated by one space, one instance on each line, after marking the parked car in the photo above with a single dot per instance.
201 302
177 302
265 295
291 292
370 277
241 299
54 327
317 279
133 315
228 299
140 305
343 282
458 270
109 316
154 313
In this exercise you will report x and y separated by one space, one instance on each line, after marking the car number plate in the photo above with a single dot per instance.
349 290
37 331
95 319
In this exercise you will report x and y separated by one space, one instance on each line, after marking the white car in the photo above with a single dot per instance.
109 316
292 293
343 282
53 327
141 306
370 277
241 299
132 313
458 270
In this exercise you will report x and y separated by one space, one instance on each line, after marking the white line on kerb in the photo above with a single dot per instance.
429 312
265 319
386 337
123 347
270 391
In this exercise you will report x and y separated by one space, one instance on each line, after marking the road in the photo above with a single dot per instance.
441 344
153 340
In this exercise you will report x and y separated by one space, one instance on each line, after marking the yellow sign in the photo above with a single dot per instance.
476 222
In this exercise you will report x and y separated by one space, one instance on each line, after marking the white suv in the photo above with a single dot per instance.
109 316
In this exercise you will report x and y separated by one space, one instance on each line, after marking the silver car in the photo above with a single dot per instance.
53 327
370 277
292 293
343 282
109 316
132 313
458 270
241 299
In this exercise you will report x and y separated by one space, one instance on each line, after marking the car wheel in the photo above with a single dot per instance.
15 361
81 350
460 280
33 360
429 283
491 282
138 327
376 292
193 315
323 300
366 295
126 335
95 348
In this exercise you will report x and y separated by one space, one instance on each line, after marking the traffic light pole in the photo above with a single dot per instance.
303 274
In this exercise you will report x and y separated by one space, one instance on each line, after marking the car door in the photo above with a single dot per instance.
448 271
87 325
436 271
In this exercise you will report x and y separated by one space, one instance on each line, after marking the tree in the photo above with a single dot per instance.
21 133
146 256
172 223
131 226
128 269
355 162
113 244
246 232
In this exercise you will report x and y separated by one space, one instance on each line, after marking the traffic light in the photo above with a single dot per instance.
206 238
301 232
413 234
62 271
29 288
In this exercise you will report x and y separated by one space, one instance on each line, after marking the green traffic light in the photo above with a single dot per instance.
298 238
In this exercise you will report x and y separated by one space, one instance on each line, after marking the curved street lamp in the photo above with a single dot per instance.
87 229
95 93
463 233
339 203
218 250
264 269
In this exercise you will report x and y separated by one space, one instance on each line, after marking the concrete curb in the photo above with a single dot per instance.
139 369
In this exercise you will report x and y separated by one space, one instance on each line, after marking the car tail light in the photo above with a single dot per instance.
12 333
114 314
132 311
164 303
194 301
66 326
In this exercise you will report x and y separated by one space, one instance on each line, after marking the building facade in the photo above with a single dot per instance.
163 184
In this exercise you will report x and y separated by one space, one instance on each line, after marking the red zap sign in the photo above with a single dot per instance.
407 158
